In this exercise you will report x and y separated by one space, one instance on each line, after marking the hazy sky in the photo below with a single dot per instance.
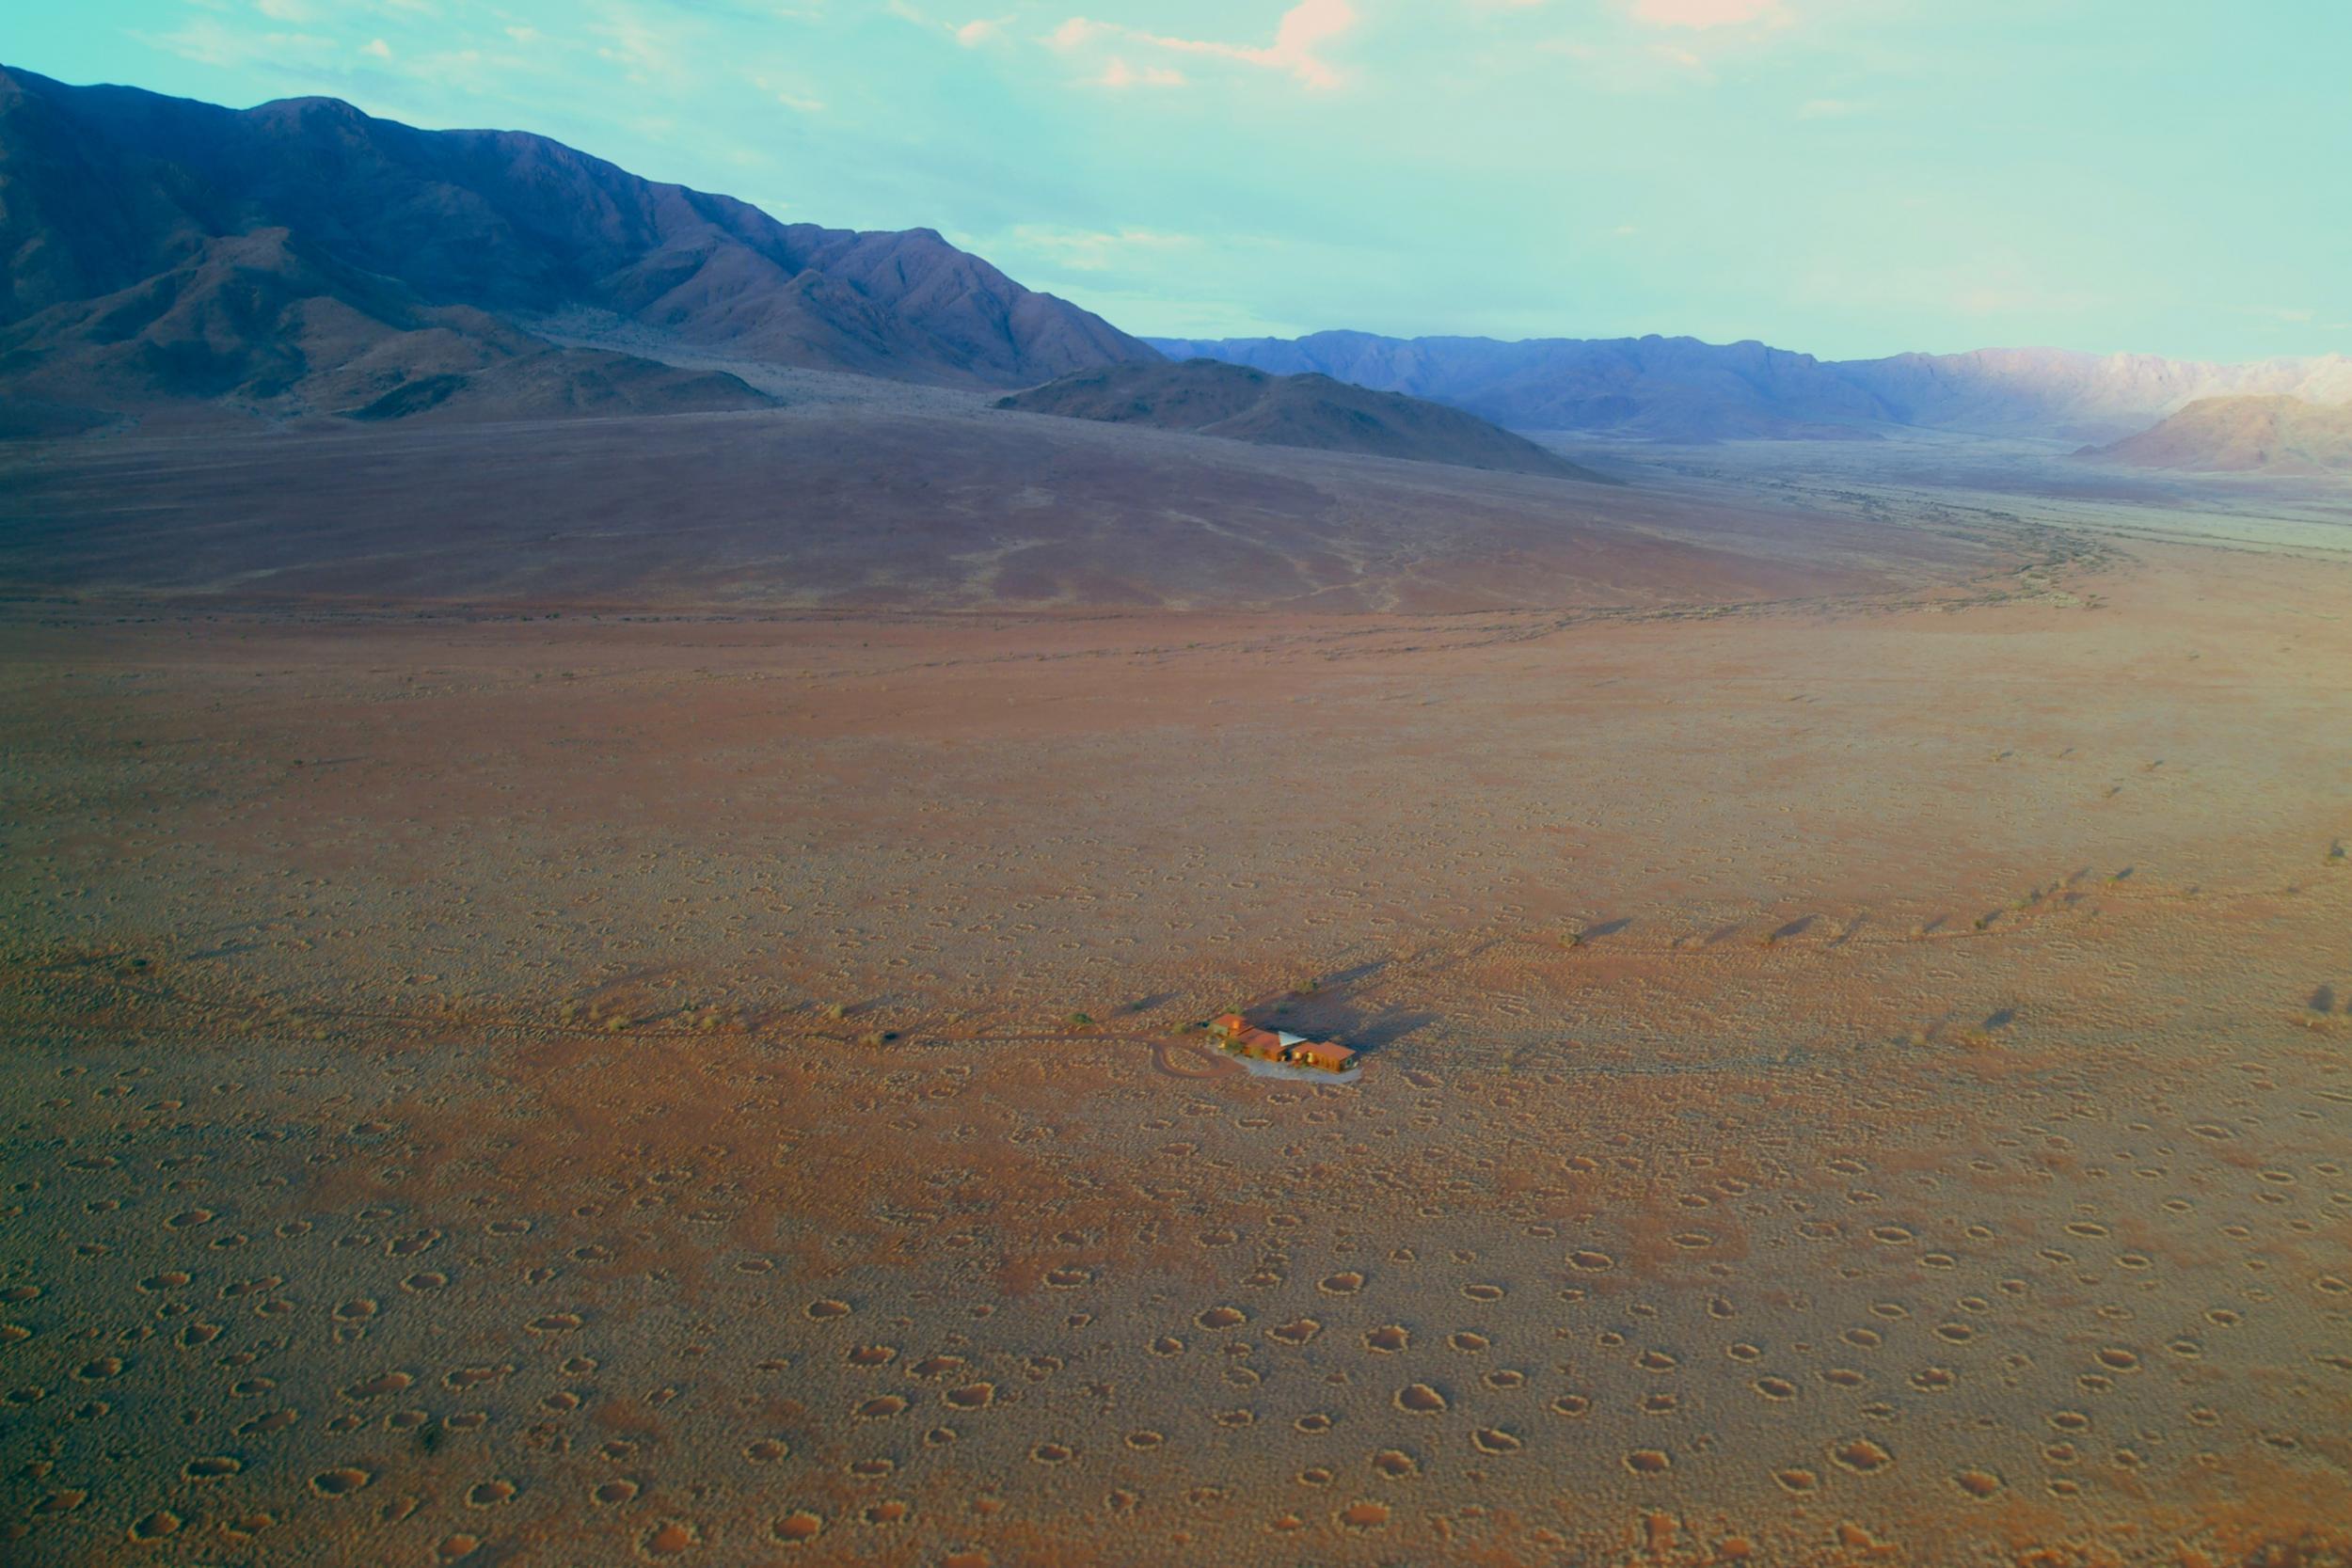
1847 176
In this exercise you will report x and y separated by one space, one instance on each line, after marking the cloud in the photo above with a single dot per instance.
208 41
1681 60
1673 44
789 93
642 50
1633 66
791 90
1074 32
971 34
1119 73
1094 249
1827 108
1304 30
1708 13
378 48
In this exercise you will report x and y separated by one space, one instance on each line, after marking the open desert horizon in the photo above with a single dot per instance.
621 879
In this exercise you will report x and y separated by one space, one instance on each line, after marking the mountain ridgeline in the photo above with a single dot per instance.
1208 396
304 257
1682 390
179 263
2242 435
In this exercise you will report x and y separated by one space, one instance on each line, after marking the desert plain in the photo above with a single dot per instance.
631 990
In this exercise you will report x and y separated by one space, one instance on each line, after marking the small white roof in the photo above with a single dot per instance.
1289 1039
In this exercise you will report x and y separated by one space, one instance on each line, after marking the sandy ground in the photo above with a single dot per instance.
1861 1060
857 495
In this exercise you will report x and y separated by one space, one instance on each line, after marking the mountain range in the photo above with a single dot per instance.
1208 396
2243 435
178 262
304 257
1682 390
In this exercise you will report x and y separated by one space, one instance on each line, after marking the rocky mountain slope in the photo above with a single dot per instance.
2242 435
284 259
258 322
1314 411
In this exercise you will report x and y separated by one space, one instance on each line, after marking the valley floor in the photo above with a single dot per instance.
1857 1075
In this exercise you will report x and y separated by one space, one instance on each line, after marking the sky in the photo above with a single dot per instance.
1848 178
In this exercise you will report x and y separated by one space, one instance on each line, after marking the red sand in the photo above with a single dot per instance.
1861 1081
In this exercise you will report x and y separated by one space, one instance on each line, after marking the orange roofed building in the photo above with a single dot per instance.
1331 1055
1264 1045
1275 1045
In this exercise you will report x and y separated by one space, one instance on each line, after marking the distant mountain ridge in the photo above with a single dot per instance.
2070 395
1209 397
179 260
1683 389
2242 435
163 206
